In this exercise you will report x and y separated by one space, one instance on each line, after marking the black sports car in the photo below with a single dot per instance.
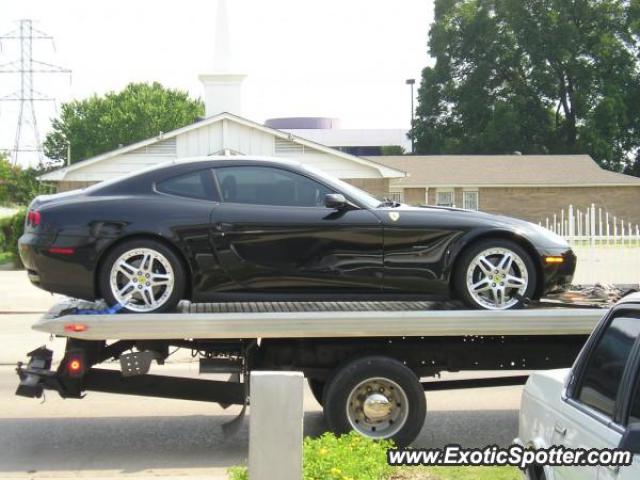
248 229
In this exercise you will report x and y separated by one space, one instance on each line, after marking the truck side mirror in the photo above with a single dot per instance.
631 439
335 201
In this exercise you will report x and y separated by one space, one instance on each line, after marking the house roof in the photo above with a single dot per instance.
385 170
503 171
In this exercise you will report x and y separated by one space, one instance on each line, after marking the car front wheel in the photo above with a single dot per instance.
495 275
144 276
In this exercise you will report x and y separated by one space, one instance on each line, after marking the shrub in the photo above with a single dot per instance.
348 457
18 186
11 228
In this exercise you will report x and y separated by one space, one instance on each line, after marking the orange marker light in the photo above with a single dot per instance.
75 327
554 259
75 365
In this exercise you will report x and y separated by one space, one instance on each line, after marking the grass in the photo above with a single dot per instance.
428 473
456 473
352 457
5 257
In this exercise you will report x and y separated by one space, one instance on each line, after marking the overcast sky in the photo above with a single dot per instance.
341 58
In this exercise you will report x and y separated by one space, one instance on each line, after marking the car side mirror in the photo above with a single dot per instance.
631 439
335 201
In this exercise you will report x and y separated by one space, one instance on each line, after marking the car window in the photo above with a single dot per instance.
192 185
269 186
602 374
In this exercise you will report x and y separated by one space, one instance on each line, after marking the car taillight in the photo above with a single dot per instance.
33 218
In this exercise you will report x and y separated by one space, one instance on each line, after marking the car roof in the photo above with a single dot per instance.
211 161
232 158
630 298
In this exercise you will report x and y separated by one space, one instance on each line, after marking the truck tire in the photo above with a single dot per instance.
317 389
378 397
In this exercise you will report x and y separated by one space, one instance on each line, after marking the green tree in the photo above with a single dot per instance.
18 186
102 123
535 76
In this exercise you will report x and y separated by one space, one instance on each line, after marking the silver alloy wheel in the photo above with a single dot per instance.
496 277
142 279
377 408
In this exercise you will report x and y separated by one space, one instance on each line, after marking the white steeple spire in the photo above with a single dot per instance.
222 53
223 87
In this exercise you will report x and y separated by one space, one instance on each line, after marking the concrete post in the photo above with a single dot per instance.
275 426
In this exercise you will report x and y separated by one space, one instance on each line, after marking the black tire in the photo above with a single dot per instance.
461 290
317 389
345 380
535 472
179 276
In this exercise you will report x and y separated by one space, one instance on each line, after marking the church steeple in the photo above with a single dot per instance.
222 87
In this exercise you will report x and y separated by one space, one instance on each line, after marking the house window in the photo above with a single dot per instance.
444 198
470 200
396 196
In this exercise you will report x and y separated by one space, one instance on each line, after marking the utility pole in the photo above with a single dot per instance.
26 96
411 82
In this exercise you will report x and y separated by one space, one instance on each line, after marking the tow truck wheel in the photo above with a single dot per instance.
317 389
144 275
378 397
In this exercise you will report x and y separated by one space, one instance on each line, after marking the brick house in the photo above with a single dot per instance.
531 187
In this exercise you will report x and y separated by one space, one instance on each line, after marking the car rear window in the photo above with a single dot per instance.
603 372
191 185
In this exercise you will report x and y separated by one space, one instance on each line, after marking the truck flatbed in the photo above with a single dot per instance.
354 354
281 320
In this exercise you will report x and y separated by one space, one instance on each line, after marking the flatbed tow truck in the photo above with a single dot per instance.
365 362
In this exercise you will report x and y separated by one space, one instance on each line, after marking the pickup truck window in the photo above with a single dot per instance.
605 366
634 411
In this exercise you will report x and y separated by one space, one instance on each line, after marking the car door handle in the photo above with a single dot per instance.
560 430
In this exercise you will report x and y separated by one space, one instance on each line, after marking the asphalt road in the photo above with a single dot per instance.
107 435
104 435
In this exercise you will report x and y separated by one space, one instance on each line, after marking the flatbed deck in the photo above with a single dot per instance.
282 320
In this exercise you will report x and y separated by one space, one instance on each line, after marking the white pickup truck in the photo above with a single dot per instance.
593 405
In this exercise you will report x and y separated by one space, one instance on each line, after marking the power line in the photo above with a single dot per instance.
27 67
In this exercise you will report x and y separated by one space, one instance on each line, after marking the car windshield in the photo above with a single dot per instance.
360 196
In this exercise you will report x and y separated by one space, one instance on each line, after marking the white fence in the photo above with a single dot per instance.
608 247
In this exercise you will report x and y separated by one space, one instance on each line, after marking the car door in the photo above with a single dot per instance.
273 233
631 417
182 208
416 243
589 416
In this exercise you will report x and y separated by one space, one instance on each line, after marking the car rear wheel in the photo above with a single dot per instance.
495 275
144 276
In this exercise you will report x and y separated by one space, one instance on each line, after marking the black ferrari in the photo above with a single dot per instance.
230 229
